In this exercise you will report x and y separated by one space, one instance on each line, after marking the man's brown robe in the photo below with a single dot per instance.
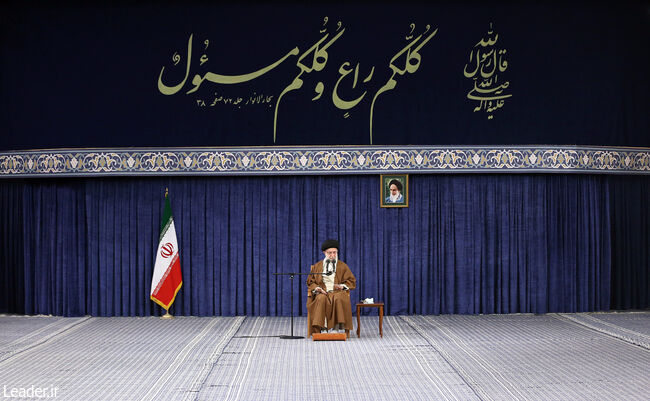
335 306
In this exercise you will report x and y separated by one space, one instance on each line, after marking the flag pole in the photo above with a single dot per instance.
167 315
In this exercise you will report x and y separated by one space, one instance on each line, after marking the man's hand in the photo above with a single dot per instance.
320 290
338 287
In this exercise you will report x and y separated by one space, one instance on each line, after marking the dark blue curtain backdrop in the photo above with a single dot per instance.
467 244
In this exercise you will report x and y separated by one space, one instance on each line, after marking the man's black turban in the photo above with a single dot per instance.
397 183
330 243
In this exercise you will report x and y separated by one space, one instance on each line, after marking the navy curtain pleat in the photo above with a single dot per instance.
466 244
630 235
12 258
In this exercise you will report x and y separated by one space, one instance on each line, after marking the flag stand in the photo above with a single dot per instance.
167 315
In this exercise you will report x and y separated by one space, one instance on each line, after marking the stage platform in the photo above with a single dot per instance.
589 356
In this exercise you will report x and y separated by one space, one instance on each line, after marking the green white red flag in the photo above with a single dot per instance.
167 278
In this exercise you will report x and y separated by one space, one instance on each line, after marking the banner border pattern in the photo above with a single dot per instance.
324 160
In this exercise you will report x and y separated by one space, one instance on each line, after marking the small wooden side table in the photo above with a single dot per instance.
379 305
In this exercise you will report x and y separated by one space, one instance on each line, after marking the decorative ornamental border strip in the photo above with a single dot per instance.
323 160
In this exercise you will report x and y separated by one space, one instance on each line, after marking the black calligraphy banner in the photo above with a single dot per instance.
172 75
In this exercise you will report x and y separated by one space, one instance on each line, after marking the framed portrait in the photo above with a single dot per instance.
394 190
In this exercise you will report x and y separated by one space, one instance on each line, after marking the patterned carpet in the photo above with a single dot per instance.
593 356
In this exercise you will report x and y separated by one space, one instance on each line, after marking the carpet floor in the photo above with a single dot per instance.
586 356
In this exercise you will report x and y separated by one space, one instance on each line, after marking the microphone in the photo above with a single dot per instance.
329 270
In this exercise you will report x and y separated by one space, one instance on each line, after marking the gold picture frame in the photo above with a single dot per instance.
394 190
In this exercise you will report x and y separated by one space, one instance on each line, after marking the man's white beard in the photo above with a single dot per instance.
326 266
335 259
393 198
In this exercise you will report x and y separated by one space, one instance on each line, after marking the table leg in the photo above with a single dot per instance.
358 322
381 321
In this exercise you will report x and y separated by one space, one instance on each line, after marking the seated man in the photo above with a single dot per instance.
328 293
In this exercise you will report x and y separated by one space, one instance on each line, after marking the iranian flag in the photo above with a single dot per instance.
167 278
